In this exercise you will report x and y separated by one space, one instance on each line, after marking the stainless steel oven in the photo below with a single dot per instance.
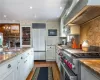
66 72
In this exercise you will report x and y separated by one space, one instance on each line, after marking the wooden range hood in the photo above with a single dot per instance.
86 14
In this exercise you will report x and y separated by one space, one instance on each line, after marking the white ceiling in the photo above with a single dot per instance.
20 9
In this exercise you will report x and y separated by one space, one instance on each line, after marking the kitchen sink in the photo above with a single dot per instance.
9 52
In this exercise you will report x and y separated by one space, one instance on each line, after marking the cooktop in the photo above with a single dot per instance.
87 55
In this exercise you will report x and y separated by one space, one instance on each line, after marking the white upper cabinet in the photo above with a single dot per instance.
79 11
74 29
77 6
62 28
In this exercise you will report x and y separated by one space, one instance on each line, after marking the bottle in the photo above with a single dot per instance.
74 45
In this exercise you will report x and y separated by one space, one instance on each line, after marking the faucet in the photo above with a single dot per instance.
8 44
15 45
1 48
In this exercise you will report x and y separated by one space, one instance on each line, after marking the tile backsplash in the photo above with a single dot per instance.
91 31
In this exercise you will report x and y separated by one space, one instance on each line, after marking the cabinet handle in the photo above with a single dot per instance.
21 57
25 61
9 65
17 67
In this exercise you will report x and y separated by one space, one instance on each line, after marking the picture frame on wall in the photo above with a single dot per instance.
52 32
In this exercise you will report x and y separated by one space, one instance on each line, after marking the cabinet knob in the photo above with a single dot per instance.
25 61
21 57
9 65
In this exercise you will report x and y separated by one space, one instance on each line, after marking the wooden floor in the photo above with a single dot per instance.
56 73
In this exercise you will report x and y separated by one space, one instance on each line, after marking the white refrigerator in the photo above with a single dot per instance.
39 43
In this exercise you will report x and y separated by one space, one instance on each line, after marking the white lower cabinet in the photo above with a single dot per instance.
39 55
87 74
18 68
9 75
50 53
58 57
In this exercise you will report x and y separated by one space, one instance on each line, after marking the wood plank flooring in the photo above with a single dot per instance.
56 73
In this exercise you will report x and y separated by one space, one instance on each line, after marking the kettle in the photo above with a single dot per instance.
85 45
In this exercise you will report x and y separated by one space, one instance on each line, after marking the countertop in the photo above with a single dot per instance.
6 56
62 46
92 64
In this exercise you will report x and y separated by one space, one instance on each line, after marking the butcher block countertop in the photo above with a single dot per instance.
92 64
11 53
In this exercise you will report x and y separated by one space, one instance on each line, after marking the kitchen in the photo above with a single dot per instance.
64 42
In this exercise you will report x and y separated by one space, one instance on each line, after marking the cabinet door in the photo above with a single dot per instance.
11 75
31 60
36 56
87 74
42 55
26 67
50 55
39 55
20 70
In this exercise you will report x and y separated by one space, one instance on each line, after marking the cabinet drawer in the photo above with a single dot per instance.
5 67
50 47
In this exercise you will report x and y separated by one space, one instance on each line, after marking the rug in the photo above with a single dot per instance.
43 73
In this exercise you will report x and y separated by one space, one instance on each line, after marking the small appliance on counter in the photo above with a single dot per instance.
63 41
85 46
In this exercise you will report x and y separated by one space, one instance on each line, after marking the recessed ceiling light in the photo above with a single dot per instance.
5 16
13 20
31 7
57 16
35 16
77 0
60 7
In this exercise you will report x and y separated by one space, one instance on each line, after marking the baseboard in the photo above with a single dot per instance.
50 60
39 60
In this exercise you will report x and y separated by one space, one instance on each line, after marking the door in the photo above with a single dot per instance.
38 39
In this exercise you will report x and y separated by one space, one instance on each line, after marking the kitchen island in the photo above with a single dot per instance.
16 64
90 69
